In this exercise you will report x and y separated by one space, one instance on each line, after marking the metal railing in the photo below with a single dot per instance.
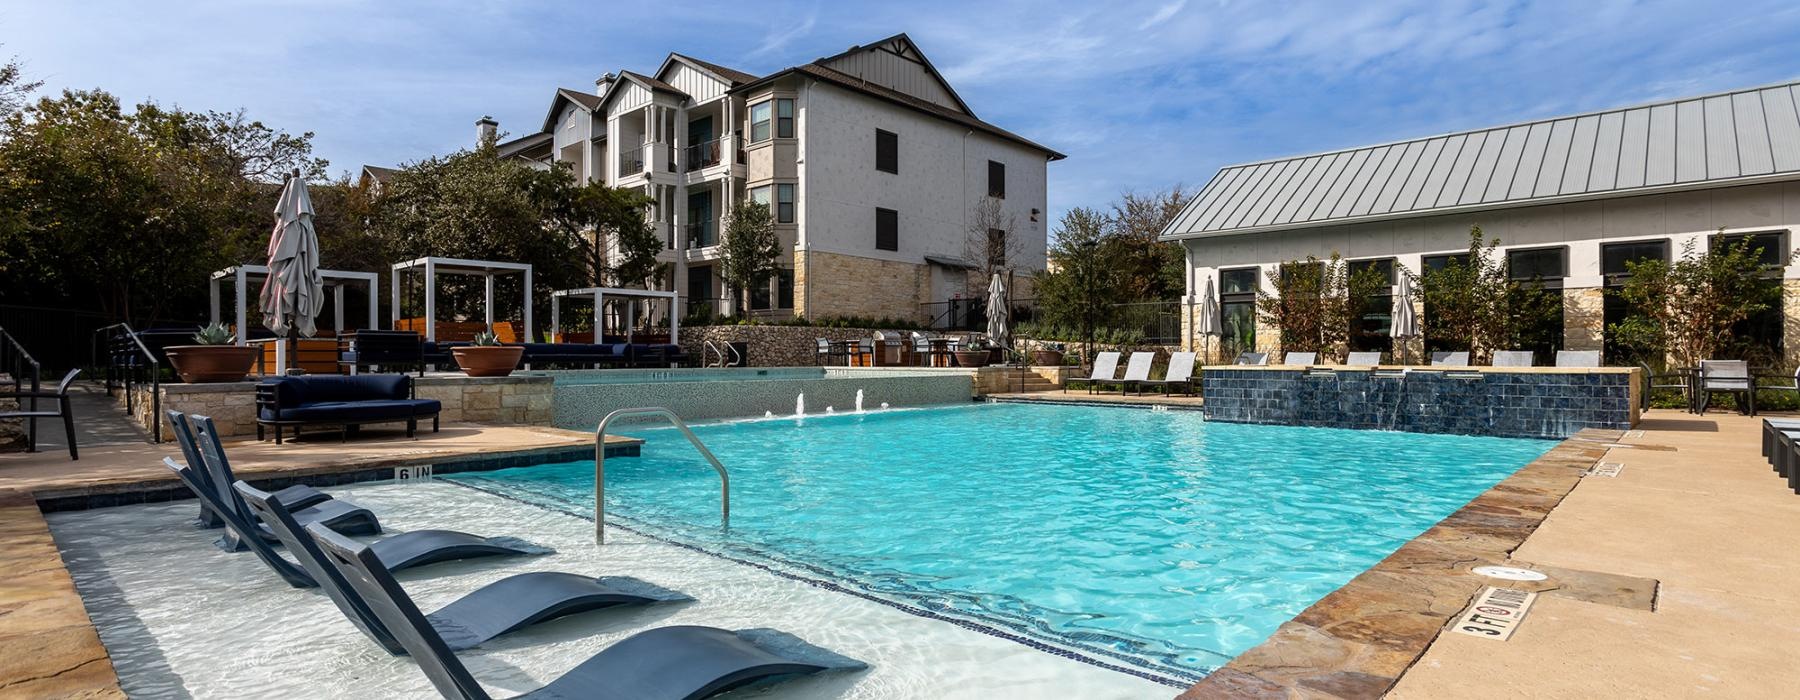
727 352
128 357
600 465
21 366
631 162
704 154
671 159
700 234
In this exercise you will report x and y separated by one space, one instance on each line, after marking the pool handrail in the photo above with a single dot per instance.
600 465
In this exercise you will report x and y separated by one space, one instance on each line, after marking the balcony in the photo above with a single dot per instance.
631 162
705 154
701 234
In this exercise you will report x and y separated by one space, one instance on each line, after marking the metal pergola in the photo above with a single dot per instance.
486 269
599 295
335 281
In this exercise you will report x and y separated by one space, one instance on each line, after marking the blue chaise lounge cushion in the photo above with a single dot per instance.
358 398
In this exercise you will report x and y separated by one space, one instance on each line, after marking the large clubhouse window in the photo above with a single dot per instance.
1615 266
1237 310
1369 330
759 122
1432 264
784 118
1540 270
1769 246
887 229
887 151
1759 337
784 204
996 179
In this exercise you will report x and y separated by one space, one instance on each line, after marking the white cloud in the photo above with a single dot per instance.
1162 14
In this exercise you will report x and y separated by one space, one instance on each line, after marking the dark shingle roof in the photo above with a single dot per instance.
587 100
651 83
736 77
842 79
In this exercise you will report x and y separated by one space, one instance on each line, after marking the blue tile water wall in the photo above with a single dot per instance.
1537 405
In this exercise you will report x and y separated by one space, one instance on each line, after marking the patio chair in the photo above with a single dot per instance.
923 355
825 353
1180 373
1725 377
665 662
1252 358
1512 358
341 515
1449 359
299 495
63 410
1106 368
1578 358
1300 358
504 606
1678 381
1362 359
1137 369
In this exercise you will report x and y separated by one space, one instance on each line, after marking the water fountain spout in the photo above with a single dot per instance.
800 405
859 395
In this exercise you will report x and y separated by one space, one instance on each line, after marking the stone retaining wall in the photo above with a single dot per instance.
519 400
770 346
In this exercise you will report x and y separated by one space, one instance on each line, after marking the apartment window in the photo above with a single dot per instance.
1615 265
996 179
996 247
700 289
887 151
887 229
760 298
784 118
784 204
1237 309
1370 328
759 122
784 289
1769 246
760 195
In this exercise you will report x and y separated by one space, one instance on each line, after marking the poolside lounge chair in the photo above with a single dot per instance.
1578 358
63 410
665 662
1252 358
1137 370
1449 359
338 515
1359 359
1106 368
300 496
1725 377
1512 358
1300 358
500 607
1180 373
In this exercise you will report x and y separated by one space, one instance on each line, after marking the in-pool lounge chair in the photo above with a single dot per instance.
503 606
1511 358
1363 359
679 662
1300 358
1106 370
1137 370
1449 359
1180 373
300 496
343 516
1253 358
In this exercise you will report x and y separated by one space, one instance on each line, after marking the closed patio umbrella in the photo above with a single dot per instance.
1208 325
1405 324
294 293
997 310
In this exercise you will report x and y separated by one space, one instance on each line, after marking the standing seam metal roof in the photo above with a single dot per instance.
1706 141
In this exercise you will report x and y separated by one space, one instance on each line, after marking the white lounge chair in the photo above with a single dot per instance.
1361 359
1578 358
1512 358
1180 373
1137 370
1253 358
1301 358
1106 369
1449 359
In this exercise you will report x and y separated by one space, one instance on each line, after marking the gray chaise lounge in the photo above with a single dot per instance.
679 662
300 496
343 516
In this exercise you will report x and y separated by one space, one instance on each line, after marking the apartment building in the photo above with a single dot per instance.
880 178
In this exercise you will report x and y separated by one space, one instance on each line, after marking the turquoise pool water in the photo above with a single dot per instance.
1148 541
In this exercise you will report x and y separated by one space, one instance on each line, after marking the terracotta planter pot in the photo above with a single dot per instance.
210 364
488 360
973 358
1046 358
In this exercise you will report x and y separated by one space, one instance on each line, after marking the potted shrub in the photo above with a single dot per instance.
1047 355
975 353
213 357
487 357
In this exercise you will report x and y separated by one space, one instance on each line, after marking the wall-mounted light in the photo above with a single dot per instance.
1034 215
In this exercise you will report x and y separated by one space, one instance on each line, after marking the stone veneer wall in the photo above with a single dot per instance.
1584 318
12 432
1506 404
831 284
518 400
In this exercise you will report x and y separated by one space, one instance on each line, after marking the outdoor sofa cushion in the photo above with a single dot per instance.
358 411
357 398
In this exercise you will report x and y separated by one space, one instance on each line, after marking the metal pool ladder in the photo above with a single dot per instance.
600 465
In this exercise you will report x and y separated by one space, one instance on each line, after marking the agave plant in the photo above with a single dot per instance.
486 339
215 334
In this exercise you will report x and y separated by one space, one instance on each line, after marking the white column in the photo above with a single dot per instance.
243 313
212 289
374 304
528 335
337 308
599 318
395 279
488 300
555 316
430 300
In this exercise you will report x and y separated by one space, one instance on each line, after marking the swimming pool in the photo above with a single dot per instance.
1148 542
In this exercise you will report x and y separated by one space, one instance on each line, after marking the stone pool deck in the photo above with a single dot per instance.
48 647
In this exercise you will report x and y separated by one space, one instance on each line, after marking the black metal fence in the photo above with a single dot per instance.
62 339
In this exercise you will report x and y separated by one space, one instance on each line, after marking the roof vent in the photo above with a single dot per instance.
604 83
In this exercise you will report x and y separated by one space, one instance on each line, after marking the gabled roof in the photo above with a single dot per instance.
523 144
378 173
1717 140
586 101
649 83
730 76
883 92
901 45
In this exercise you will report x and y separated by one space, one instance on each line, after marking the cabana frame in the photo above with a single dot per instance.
486 269
335 281
599 295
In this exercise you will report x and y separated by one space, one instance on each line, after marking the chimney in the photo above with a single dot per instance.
604 83
487 131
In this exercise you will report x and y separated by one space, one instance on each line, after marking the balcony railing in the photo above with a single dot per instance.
701 234
631 162
704 154
669 156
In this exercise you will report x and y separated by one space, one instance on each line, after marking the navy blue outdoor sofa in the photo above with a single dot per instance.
324 399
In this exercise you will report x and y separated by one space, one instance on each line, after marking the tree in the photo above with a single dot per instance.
992 245
613 218
13 87
1315 303
1077 289
1154 270
1471 304
1685 310
749 251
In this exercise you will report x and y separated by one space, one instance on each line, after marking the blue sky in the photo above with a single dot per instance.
1141 95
